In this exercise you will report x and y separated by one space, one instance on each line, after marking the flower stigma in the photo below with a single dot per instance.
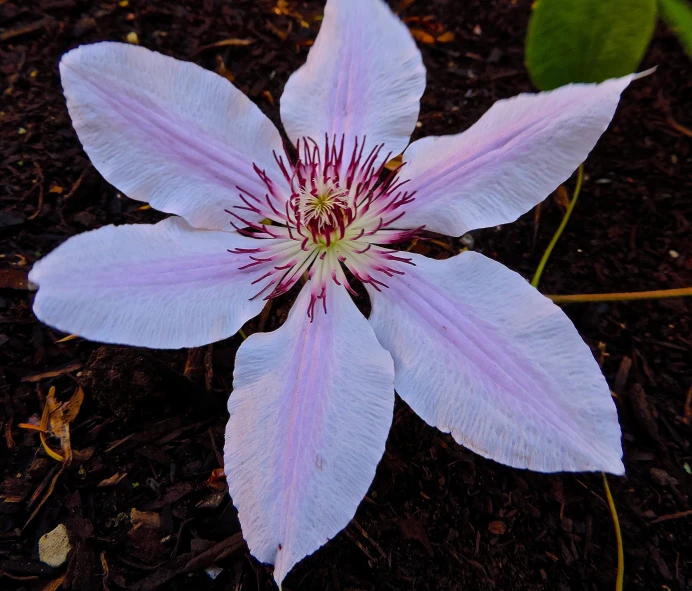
340 214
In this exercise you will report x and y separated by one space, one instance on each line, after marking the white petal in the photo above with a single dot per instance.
310 412
480 353
163 286
364 76
510 160
168 132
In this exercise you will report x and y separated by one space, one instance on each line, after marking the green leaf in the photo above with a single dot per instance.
678 15
587 40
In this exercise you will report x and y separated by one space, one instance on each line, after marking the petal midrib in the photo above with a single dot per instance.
302 425
201 147
470 164
177 274
508 369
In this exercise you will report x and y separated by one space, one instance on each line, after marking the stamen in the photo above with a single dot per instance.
340 206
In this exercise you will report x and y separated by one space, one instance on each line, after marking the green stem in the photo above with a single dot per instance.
618 536
546 255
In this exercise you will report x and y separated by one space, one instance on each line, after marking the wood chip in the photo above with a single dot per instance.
52 373
54 547
149 519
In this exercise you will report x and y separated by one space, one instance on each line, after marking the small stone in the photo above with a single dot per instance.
54 547
133 38
673 254
468 241
497 527
495 56
213 572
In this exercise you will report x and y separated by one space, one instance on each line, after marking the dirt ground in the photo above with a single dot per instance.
437 517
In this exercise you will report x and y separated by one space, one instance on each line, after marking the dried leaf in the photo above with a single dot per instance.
217 479
445 37
112 481
497 527
422 36
70 409
394 163
562 197
56 421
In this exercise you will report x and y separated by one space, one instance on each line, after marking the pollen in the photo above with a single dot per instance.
322 210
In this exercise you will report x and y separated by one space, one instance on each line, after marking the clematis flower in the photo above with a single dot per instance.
467 343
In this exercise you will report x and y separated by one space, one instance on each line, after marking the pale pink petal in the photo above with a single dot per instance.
309 416
510 160
163 286
480 353
363 77
168 132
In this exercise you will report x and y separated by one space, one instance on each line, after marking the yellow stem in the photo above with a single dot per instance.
622 297
548 251
618 535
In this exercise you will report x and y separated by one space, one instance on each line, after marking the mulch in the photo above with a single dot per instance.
437 516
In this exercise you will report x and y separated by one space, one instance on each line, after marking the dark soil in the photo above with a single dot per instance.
437 516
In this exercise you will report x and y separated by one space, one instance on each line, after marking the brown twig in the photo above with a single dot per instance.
40 192
23 30
76 185
677 515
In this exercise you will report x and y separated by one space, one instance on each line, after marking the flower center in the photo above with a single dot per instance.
341 213
322 210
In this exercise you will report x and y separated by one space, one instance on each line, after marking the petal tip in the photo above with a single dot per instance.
615 467
644 74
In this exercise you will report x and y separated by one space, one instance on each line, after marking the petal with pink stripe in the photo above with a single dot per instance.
509 161
169 132
164 286
481 354
364 76
309 416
